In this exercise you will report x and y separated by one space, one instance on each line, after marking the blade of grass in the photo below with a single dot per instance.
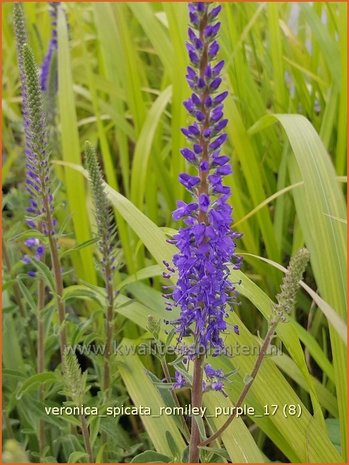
71 153
324 238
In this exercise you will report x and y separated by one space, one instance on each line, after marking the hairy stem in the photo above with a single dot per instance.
108 326
196 401
86 436
109 336
247 386
41 359
57 273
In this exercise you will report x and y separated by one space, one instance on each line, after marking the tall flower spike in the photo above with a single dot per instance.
38 170
286 299
206 245
21 39
104 220
38 180
21 35
46 65
106 236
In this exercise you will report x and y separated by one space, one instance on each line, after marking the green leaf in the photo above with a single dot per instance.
79 291
44 272
34 381
144 145
27 295
77 456
316 202
79 247
150 456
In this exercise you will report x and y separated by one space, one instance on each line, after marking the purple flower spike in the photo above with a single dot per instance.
206 244
45 68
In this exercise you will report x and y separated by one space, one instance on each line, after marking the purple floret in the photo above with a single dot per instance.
179 381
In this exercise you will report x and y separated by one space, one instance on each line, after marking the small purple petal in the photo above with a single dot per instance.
188 181
199 116
26 259
32 242
219 98
204 202
191 35
224 170
218 386
195 99
218 68
197 149
221 125
215 11
204 165
188 155
213 49
218 142
215 83
193 57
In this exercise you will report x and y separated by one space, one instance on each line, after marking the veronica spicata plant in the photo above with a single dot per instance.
106 235
206 245
38 172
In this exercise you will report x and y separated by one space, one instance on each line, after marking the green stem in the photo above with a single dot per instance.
196 401
41 359
86 436
108 327
57 273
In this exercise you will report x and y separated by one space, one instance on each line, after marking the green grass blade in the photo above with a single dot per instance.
316 203
71 153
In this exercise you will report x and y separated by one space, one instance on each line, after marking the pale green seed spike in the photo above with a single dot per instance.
37 123
287 297
106 231
74 380
21 34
